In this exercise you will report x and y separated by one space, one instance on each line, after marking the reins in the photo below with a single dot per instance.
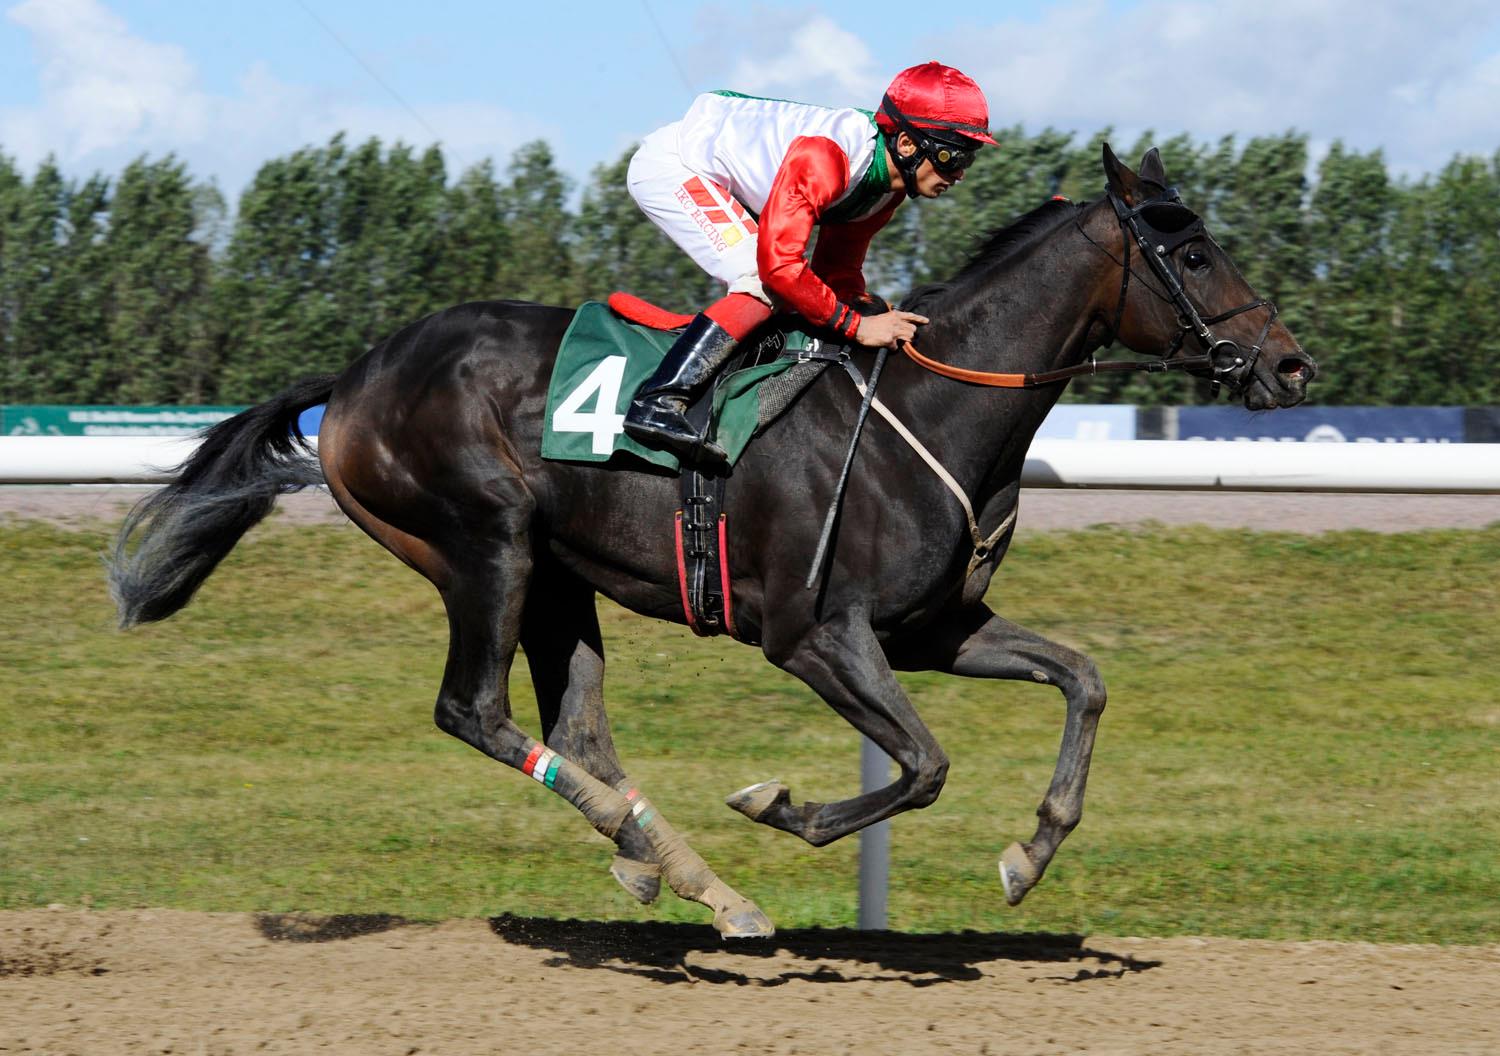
1048 377
1235 371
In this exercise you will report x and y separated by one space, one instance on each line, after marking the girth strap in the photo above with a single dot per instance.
700 536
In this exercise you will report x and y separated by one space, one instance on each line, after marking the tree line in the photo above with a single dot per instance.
145 289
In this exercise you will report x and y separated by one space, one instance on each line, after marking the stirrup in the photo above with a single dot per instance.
645 425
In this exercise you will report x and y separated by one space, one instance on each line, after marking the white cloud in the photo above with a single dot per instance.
1405 75
108 95
808 57
102 86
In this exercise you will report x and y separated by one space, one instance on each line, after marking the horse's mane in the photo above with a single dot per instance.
1021 233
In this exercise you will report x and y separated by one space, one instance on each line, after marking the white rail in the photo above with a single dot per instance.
92 459
1263 466
1176 464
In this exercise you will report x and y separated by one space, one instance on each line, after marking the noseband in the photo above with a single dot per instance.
1158 228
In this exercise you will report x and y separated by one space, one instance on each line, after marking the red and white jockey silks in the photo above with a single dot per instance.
704 180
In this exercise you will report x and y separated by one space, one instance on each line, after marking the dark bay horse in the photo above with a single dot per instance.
430 443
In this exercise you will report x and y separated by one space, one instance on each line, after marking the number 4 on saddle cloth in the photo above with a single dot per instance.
609 350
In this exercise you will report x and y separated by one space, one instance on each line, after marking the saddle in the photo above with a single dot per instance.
609 350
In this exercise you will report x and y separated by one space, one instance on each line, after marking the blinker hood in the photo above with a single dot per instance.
1165 222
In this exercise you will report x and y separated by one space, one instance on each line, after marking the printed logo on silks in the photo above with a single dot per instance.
717 213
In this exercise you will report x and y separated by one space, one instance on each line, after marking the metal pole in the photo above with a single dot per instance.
874 842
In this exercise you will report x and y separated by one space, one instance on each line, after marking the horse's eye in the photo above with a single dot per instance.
1196 259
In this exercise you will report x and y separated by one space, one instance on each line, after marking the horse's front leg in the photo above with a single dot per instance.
976 642
843 661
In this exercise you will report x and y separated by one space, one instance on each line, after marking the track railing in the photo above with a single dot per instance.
1173 464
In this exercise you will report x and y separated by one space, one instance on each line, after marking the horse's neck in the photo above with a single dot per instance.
1031 313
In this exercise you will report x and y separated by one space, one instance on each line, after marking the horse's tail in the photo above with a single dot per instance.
172 540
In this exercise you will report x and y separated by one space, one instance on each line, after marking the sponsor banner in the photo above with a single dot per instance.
1089 421
1482 425
58 420
1354 425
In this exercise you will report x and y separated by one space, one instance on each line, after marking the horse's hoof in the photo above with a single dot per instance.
753 802
641 879
745 921
1018 873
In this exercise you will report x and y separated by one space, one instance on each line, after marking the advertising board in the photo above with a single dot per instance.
1355 425
99 420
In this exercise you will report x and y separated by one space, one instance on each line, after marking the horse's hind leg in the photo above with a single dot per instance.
485 616
474 544
565 651
977 643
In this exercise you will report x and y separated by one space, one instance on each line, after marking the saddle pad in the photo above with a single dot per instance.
602 361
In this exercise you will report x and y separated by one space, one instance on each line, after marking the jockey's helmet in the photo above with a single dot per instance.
943 111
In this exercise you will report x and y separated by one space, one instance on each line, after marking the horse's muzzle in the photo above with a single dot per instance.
1284 384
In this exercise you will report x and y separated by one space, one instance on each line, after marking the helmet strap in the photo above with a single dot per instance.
907 165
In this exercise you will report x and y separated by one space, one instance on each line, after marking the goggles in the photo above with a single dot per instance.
948 159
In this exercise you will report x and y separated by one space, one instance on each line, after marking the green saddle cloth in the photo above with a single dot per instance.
604 359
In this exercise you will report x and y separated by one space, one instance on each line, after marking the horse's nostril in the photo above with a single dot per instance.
1292 368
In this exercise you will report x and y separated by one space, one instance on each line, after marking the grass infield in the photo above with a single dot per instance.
1302 741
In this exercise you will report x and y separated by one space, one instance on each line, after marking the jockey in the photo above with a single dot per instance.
740 181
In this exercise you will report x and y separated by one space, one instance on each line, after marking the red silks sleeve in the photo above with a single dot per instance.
839 258
814 173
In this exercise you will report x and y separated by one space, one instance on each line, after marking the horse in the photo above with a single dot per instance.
430 444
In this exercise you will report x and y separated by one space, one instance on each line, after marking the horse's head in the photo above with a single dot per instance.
1187 296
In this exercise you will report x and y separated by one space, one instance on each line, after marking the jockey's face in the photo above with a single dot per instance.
930 182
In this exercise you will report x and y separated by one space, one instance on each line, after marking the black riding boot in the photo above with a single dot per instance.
657 417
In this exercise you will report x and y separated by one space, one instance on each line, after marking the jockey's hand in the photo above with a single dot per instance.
888 329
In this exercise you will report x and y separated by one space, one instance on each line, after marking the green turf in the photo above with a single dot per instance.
1303 740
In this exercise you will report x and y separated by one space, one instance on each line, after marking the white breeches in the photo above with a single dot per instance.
698 214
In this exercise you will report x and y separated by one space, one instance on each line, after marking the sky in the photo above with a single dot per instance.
228 85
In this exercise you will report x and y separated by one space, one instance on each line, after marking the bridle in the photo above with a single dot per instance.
1157 228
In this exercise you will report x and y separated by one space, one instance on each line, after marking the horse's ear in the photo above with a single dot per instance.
1125 184
1152 169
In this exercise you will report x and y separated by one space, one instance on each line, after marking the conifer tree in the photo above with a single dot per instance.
1349 223
538 265
279 318
475 238
158 276
33 305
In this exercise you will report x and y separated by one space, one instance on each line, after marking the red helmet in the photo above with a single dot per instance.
937 99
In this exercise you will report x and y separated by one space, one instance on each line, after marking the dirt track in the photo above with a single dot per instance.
215 984
78 982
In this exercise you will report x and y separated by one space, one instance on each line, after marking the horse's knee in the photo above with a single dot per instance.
1087 687
456 720
458 717
1094 693
928 779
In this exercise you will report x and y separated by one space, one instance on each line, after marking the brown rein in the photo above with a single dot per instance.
1031 381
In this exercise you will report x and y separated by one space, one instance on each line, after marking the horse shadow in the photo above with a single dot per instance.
316 927
691 953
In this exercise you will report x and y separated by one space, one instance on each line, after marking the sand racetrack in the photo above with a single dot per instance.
75 981
154 981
